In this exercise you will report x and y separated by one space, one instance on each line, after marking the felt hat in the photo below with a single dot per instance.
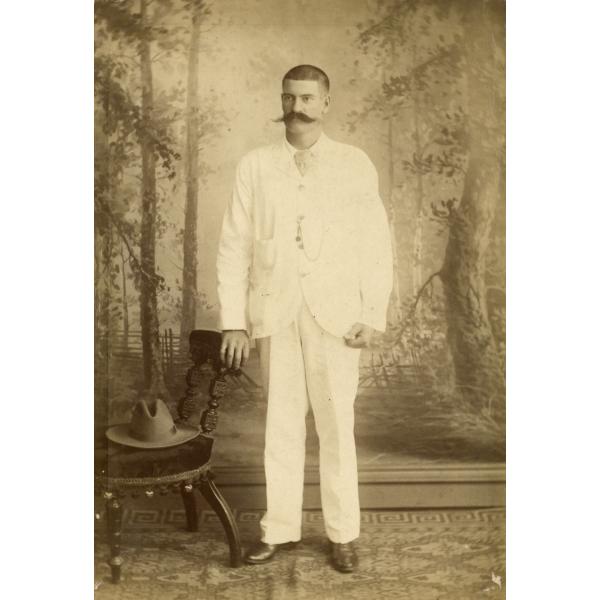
151 426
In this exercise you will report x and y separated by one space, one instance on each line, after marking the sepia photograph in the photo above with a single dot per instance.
299 299
299 231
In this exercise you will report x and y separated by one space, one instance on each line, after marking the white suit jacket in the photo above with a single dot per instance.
343 270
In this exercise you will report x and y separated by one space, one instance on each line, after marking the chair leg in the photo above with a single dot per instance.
114 516
214 497
189 502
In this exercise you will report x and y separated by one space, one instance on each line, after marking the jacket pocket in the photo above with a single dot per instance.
262 276
264 254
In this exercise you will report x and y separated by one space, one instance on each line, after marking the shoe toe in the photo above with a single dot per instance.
344 557
260 553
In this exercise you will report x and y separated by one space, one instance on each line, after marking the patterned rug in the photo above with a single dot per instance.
404 555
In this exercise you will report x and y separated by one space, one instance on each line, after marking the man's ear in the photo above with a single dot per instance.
327 102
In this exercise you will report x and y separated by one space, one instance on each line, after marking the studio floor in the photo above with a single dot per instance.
412 555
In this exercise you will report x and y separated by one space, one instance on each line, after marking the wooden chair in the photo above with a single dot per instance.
122 471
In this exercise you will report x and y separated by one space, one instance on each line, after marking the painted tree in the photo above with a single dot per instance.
477 361
124 295
114 130
189 285
419 95
124 70
461 139
149 280
104 282
116 120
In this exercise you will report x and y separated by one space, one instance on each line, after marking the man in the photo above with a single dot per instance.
304 267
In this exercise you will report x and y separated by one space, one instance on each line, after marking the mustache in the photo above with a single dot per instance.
294 115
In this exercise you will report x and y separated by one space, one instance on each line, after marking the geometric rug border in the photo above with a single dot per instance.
169 517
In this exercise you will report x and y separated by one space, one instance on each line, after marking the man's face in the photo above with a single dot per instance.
304 105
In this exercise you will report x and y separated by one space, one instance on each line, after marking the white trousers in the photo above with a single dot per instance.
303 366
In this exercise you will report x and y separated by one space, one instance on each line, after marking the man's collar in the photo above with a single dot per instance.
284 154
316 149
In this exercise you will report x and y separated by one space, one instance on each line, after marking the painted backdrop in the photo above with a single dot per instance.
183 88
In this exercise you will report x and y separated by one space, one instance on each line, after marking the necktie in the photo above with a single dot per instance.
302 160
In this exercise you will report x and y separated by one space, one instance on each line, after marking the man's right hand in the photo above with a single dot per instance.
235 348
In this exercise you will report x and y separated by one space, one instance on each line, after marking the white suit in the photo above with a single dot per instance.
301 259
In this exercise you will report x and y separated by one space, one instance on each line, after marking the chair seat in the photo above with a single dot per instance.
118 467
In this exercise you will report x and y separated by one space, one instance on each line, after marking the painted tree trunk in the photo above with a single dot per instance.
153 371
107 277
97 295
103 284
190 230
396 299
478 372
124 302
395 315
417 246
102 237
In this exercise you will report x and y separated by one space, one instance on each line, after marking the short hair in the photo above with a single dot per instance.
310 73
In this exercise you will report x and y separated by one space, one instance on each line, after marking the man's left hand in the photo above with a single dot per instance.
359 335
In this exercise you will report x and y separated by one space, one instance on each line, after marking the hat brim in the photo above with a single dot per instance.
120 435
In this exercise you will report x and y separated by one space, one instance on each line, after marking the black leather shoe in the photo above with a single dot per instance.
261 552
343 557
